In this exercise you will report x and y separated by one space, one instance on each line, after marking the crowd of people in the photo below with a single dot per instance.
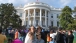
36 35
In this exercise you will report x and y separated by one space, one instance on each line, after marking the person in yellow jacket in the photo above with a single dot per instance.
2 37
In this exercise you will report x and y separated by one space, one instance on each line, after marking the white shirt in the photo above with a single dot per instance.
52 35
26 38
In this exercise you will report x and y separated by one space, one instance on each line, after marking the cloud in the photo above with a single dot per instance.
54 3
65 2
15 2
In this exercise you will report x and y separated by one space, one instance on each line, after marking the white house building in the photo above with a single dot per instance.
38 13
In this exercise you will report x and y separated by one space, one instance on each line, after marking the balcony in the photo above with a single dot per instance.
37 3
43 26
37 15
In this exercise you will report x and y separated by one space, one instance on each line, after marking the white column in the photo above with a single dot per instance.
41 17
22 22
28 17
24 17
45 19
49 18
34 23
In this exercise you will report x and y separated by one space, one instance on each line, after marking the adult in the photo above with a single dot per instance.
17 34
59 37
2 37
70 37
32 29
39 39
43 36
52 35
31 40
12 34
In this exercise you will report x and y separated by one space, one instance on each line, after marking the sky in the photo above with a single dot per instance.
54 3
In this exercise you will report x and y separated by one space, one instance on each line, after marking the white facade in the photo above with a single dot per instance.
39 13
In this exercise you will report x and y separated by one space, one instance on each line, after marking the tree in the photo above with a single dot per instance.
73 25
74 11
9 16
66 17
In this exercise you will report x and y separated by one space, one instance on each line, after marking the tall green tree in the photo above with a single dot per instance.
66 17
8 16
73 25
74 11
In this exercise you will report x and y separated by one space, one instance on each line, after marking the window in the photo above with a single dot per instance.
57 15
43 14
36 22
26 23
20 14
36 13
57 23
42 23
26 15
51 23
47 21
51 15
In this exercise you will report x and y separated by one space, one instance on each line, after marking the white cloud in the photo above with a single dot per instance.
65 2
11 1
54 3
15 2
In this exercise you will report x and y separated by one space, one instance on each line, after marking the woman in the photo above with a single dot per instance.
32 29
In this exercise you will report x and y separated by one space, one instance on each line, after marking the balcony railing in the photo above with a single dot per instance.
43 15
43 25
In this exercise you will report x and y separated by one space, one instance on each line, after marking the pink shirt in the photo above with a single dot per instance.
17 41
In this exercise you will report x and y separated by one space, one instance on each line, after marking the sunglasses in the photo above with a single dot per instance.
38 35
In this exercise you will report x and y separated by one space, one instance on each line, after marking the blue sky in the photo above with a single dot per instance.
54 3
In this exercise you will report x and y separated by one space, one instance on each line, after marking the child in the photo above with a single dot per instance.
51 40
32 39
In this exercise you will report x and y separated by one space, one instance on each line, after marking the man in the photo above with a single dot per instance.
59 37
70 36
2 37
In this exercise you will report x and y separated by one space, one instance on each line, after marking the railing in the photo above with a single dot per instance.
43 25
43 15
38 3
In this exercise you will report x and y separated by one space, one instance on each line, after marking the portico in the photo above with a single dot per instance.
36 17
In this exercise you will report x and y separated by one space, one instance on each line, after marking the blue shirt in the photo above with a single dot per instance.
40 41
51 42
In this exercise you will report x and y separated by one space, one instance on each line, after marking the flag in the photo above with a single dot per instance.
37 0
